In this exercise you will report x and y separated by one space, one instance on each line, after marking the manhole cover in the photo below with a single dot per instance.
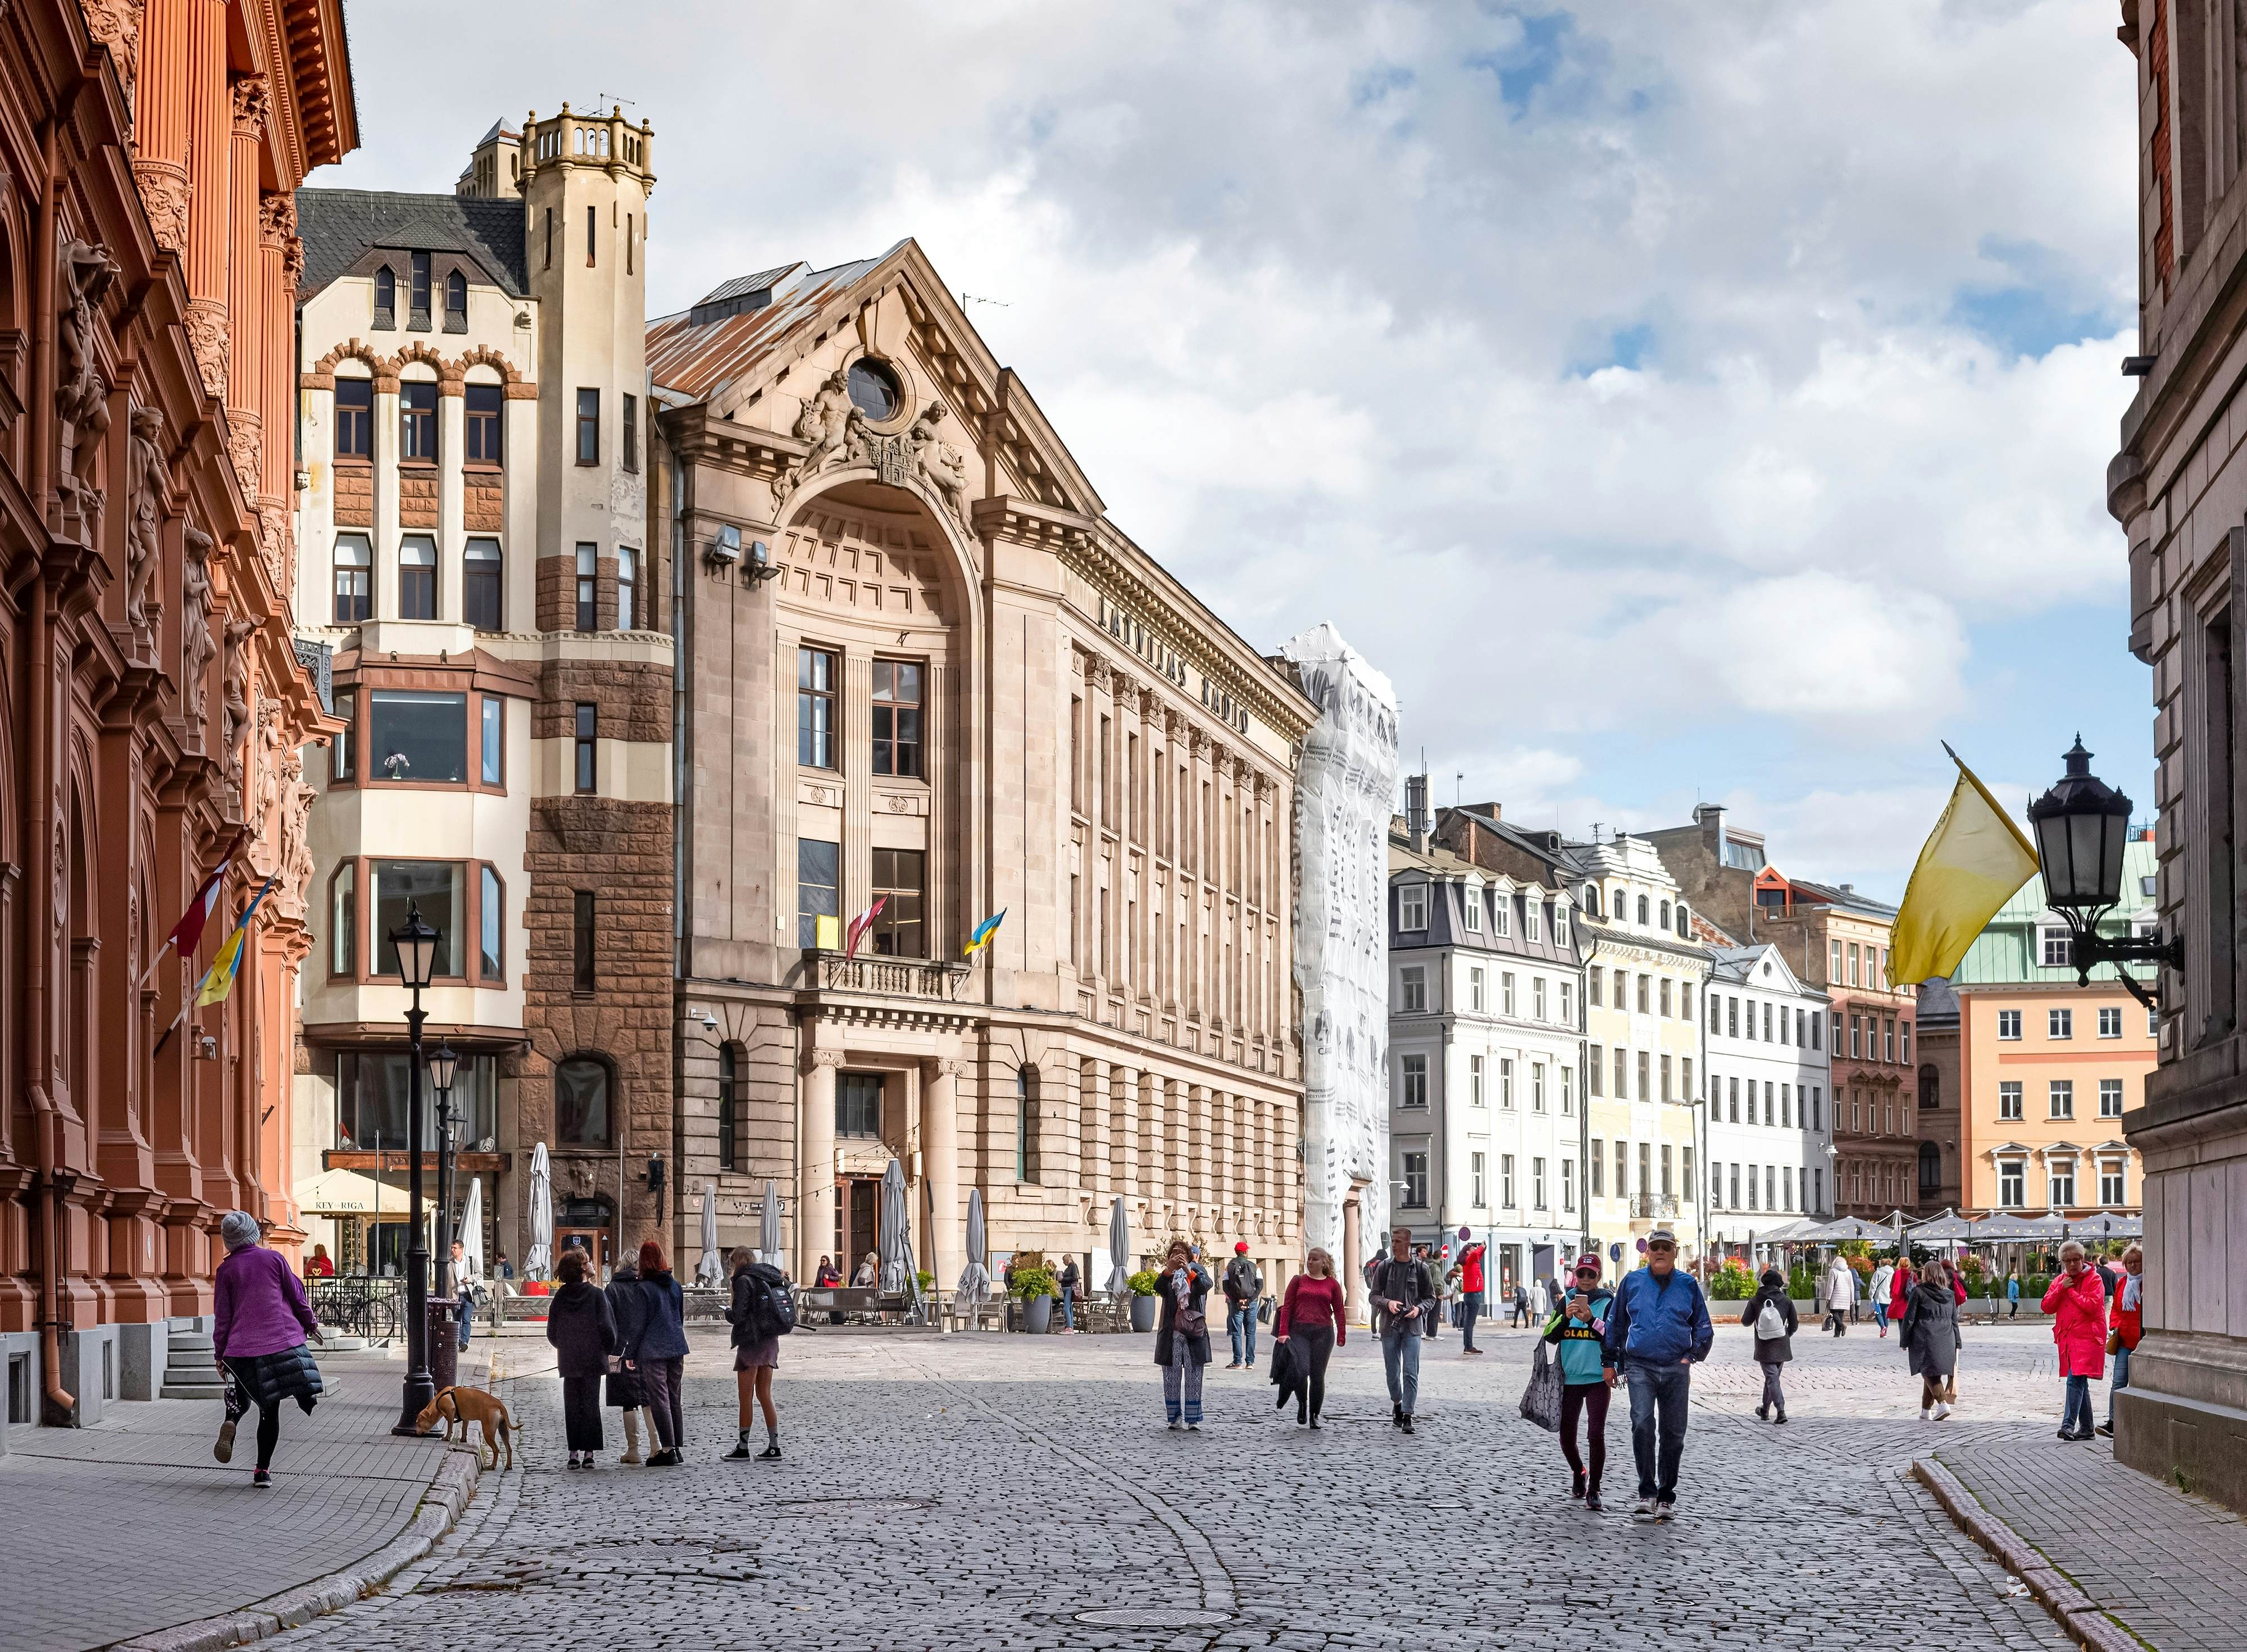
1154 1617
857 1505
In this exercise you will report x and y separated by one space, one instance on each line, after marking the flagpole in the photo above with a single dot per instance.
149 973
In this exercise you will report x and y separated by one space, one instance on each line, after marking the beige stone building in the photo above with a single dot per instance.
923 675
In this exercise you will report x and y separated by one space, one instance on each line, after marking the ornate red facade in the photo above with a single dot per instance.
152 704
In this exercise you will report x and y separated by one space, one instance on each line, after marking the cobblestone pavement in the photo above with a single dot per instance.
982 1491
2172 1568
142 1482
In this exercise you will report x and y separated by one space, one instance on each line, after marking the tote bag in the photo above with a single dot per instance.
1541 1401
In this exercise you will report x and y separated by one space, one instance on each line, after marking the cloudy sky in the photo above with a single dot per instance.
1677 401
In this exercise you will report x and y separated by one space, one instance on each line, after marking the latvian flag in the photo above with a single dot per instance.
189 930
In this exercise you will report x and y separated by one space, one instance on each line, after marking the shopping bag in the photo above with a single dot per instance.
1541 1401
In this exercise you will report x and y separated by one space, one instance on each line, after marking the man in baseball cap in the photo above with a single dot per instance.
1658 1329
1243 1285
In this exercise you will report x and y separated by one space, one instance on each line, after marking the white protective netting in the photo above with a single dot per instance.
1345 794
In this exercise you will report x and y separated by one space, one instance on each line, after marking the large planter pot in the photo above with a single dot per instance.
1143 1313
1037 1314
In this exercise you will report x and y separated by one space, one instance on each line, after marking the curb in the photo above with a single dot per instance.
2075 1612
450 1489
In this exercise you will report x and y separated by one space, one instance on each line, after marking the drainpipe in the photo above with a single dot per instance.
62 1405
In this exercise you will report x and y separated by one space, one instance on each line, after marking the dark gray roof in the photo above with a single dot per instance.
340 226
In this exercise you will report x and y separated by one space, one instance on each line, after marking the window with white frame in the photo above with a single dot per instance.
1560 925
1567 1185
2062 1098
1537 1183
1505 1181
2012 1182
2111 1189
2009 1099
1501 915
1506 993
1536 1086
1477 991
1537 996
1471 910
2009 1023
1412 906
1415 1070
1568 1006
2110 1022
1475 1180
1506 1083
1474 1080
2052 945
2110 1098
2063 1185
1413 980
2060 1023
1415 1189
1568 1092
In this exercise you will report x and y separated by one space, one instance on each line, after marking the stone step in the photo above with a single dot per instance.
176 1391
189 1343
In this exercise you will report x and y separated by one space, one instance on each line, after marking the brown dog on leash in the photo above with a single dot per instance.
466 1405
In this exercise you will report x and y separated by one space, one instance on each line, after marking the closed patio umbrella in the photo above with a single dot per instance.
1119 1250
538 1262
768 1226
711 1270
472 1228
975 1278
897 1233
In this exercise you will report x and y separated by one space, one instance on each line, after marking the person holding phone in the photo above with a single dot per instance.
1576 1331
1404 1291
2076 1301
1181 1333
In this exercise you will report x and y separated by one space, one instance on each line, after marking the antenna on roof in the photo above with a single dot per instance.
968 299
1458 782
612 99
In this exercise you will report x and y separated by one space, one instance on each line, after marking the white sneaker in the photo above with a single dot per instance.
1941 1410
1644 1509
1924 1413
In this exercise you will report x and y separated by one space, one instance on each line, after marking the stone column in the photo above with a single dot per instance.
209 122
939 1140
160 122
280 255
814 1167
244 295
1185 1126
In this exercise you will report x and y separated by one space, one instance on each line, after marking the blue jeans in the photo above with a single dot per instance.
1240 1325
466 1313
1068 1311
1880 1312
1658 1397
2121 1381
2079 1405
1470 1311
1400 1362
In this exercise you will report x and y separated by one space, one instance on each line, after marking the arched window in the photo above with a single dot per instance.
354 578
456 303
480 584
1642 908
1930 1085
1665 914
1026 1123
417 577
1931 1168
386 298
581 1103
729 1078
1591 900
1685 926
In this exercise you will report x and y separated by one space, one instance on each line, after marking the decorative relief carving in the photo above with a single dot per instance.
940 463
825 423
116 23
277 220
235 703
81 393
296 840
196 645
207 334
274 539
165 193
244 437
251 106
827 1058
902 802
144 534
817 795
266 788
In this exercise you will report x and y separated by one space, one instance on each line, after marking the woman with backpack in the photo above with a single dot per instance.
625 1391
760 1316
1771 1310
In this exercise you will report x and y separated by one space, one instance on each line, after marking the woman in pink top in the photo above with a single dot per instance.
259 1340
2076 1301
1312 1317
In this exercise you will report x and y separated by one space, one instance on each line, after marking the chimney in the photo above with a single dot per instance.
1709 818
1416 812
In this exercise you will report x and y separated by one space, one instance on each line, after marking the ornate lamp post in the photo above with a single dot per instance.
416 944
443 1065
2081 825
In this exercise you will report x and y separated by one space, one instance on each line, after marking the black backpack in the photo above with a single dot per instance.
772 1309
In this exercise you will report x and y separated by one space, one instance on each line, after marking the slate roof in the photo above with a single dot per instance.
340 226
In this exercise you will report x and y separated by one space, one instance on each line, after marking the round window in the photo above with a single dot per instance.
874 389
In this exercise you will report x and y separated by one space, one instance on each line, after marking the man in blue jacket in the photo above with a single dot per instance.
1657 1329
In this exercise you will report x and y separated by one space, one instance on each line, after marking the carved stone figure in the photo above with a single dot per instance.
296 843
165 193
196 645
941 464
235 702
245 436
825 423
274 539
267 792
207 333
144 536
81 395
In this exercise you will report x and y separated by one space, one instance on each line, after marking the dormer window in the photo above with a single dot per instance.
456 303
418 299
1560 933
1501 913
385 299
1470 911
1412 906
1531 909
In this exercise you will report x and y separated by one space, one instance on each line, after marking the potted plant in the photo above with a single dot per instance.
1033 1285
1142 1285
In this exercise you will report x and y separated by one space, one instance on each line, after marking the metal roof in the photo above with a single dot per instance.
700 358
2006 951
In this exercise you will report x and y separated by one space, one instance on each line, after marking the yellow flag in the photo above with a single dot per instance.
218 980
1972 864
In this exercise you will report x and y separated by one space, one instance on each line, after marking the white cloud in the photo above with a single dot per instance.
1609 379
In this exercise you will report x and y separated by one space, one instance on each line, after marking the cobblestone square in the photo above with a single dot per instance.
988 1492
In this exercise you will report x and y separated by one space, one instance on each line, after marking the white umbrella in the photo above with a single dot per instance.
768 1226
897 1233
975 1278
1119 1250
538 1262
711 1270
472 1228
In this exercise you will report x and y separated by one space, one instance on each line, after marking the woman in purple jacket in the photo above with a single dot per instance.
259 1339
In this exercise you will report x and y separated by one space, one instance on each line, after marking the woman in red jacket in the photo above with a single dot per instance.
2129 1325
2076 1301
1311 1316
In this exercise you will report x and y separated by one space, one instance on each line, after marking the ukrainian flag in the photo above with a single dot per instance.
984 931
218 980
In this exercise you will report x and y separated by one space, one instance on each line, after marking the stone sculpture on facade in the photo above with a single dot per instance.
144 534
825 423
235 703
81 394
196 645
941 464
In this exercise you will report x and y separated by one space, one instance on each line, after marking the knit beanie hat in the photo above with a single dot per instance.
238 1229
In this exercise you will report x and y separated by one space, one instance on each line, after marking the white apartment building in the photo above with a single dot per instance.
1486 1102
1770 1128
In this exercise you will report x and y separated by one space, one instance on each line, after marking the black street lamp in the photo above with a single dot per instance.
416 944
2081 825
443 1065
